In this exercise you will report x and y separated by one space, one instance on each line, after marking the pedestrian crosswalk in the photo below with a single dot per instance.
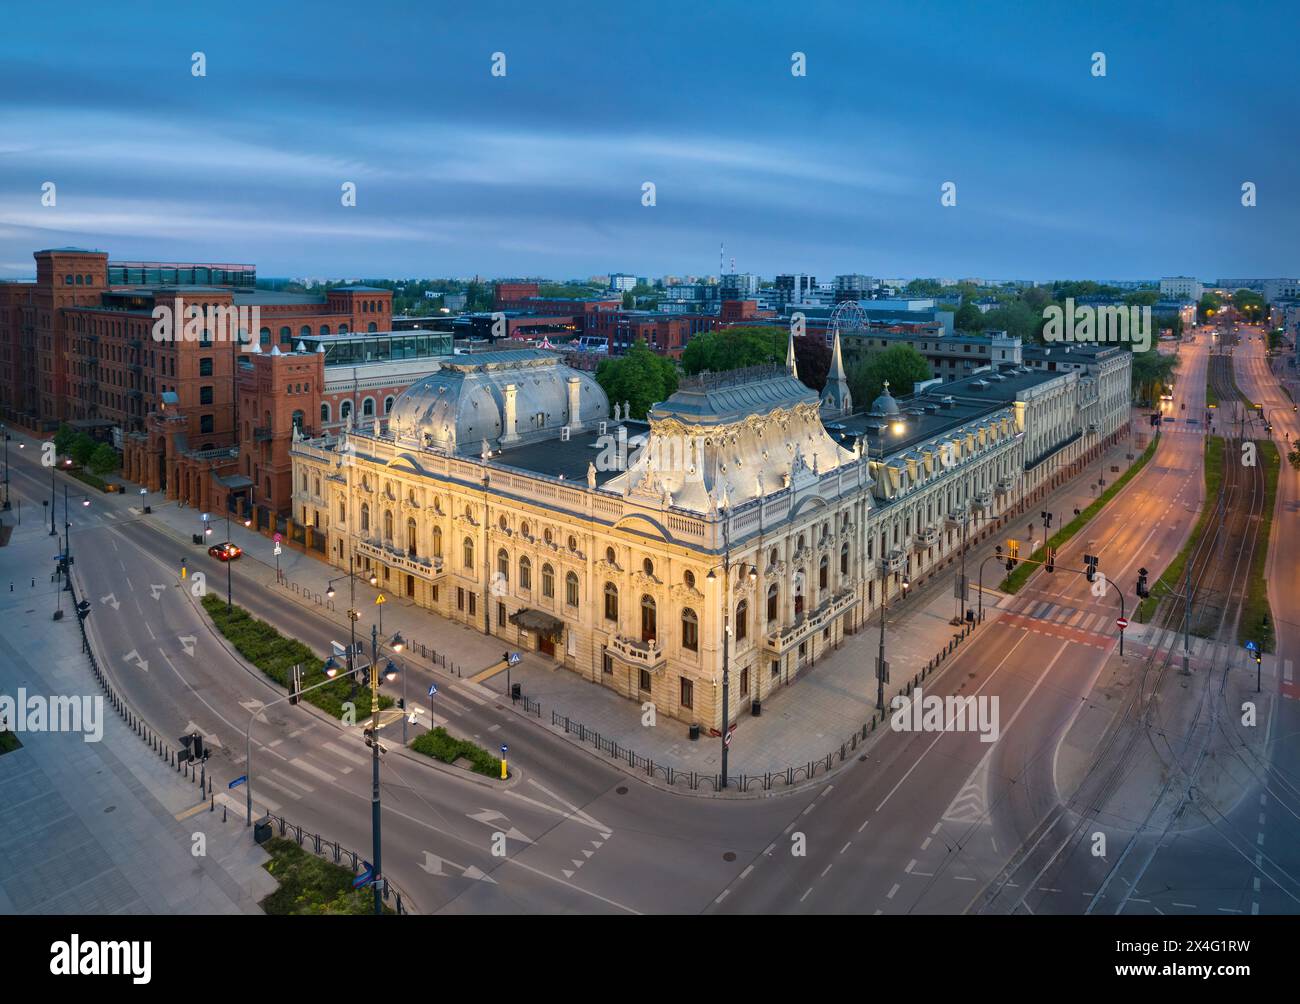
1091 626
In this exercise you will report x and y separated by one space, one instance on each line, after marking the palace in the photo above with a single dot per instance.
751 521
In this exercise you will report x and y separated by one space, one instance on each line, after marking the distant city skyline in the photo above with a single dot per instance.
1058 173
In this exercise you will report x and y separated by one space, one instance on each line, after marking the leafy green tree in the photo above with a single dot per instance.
1249 304
1294 456
1210 304
969 318
1142 298
923 287
104 459
83 447
901 365
64 438
1151 371
732 348
812 358
640 377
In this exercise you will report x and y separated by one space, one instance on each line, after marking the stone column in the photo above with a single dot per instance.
510 420
575 416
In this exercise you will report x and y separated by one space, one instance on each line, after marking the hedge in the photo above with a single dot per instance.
310 885
441 745
275 655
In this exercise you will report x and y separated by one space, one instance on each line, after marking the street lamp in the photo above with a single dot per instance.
882 667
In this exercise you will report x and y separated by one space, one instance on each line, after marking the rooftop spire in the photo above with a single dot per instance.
789 355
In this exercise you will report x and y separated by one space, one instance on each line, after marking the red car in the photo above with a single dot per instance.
225 551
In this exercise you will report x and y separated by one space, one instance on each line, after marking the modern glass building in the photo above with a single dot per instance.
371 347
170 273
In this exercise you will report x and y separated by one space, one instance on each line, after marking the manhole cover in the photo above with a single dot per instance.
621 789
110 808
729 856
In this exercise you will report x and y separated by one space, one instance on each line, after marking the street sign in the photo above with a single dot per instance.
276 552
277 538
381 598
1251 647
514 659
504 749
726 740
433 690
238 781
366 877
1121 622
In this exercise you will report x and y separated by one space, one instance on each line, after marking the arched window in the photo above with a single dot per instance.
437 541
823 573
611 602
523 529
467 553
525 574
297 420
368 408
609 556
548 582
388 404
410 536
742 620
305 331
649 622
571 589
345 410
324 412
324 329
773 557
264 336
772 595
388 526
286 335
648 567
690 630
365 517
343 329
689 579
573 542
503 565
844 560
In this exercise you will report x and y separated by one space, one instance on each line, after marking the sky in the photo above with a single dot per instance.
1058 173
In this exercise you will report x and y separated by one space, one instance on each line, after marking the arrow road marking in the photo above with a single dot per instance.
156 590
187 642
489 817
141 663
191 727
433 865
111 600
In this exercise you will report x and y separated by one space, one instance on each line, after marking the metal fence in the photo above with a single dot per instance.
768 780
173 757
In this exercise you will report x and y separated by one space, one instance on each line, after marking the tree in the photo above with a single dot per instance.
640 377
64 438
923 287
732 348
104 459
901 365
1151 371
812 358
82 448
1209 306
1143 298
1294 456
969 318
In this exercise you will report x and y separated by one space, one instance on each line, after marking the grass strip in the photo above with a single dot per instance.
442 745
275 655
1172 579
312 886
1014 582
1256 624
9 742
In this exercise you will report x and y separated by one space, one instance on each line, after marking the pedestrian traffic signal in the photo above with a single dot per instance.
1090 560
1051 559
1142 589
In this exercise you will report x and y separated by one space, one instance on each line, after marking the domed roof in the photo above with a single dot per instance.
884 406
463 404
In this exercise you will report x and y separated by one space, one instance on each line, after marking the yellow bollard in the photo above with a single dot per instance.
503 770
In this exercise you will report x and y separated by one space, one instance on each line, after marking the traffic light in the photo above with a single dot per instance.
1051 559
1047 519
1091 561
1142 589
1013 552
83 609
199 753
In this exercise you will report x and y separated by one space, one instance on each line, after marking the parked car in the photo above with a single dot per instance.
225 551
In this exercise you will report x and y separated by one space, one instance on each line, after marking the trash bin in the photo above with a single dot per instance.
148 509
262 831
756 708
695 733
197 538
516 692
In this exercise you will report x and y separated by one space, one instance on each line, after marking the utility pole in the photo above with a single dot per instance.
376 846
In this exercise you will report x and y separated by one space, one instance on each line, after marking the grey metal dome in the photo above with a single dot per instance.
885 406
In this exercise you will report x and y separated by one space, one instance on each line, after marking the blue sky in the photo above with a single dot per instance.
1058 173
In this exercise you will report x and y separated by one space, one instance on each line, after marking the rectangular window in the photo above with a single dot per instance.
205 395
744 682
206 423
501 615
606 662
688 693
645 680
205 366
460 598
473 604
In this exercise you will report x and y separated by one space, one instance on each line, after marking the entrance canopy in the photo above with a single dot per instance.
542 624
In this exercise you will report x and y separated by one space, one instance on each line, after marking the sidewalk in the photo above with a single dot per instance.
98 827
832 701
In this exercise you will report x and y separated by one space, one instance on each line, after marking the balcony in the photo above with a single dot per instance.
642 654
1006 485
927 537
393 557
894 561
984 503
809 624
262 434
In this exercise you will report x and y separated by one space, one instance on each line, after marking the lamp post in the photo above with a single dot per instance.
4 429
726 636
882 667
352 613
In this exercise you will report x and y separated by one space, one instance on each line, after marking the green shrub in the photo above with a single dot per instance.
275 655
441 745
104 459
310 885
